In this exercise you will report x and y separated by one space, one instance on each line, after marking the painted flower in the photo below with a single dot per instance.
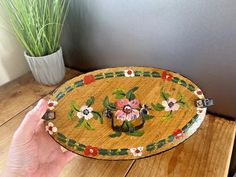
89 150
129 73
51 128
166 76
178 134
199 93
85 112
89 79
127 110
52 104
170 104
136 151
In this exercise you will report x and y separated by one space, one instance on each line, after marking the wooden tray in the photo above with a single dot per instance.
152 110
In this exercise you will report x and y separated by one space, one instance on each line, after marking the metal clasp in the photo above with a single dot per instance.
204 103
49 115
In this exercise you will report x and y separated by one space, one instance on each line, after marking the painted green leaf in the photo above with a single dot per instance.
119 93
98 115
71 142
61 137
79 148
89 126
150 147
183 83
106 102
135 133
175 79
103 151
80 123
108 105
124 125
114 152
161 143
137 73
71 114
90 101
158 107
112 106
191 87
164 95
170 138
147 117
169 115
130 94
74 106
123 151
182 104
129 124
116 134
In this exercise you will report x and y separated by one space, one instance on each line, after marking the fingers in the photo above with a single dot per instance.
32 118
68 156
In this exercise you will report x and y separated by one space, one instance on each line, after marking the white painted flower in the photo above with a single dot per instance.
129 73
52 104
170 104
136 151
199 93
51 128
85 112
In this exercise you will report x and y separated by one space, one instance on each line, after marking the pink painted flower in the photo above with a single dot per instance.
170 104
136 151
51 128
129 73
127 110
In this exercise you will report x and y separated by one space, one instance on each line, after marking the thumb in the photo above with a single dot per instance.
68 156
28 125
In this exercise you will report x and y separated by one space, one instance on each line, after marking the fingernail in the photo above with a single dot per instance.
41 104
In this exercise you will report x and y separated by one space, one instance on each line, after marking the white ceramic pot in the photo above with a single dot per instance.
49 69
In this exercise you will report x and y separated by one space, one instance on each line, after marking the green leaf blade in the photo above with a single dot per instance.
116 134
158 107
89 126
80 123
98 115
71 114
90 101
135 133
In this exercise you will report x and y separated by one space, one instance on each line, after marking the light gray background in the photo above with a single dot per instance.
196 38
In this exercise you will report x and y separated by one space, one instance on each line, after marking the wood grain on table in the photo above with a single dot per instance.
206 153
19 94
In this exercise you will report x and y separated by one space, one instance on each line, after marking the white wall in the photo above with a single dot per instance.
12 62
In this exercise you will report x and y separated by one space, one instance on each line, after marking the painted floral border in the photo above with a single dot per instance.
166 76
88 150
178 134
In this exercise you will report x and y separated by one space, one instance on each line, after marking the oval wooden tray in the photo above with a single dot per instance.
162 101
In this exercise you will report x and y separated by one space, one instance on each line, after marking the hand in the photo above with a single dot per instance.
33 153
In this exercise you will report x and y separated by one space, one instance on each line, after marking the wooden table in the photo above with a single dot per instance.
206 153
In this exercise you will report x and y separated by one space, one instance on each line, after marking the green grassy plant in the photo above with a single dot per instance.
37 24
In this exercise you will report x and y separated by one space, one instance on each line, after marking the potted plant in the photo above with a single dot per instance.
38 24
